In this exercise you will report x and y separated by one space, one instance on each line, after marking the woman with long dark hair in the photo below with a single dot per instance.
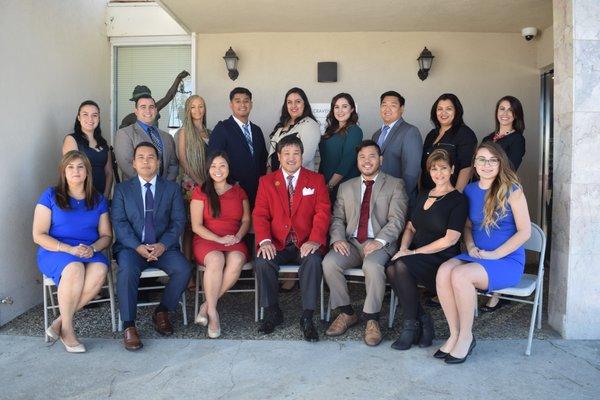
296 119
220 214
497 227
87 138
338 144
454 136
72 227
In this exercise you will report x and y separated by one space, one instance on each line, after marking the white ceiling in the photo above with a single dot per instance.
226 16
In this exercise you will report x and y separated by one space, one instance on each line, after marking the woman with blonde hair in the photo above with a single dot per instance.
497 227
192 140
72 227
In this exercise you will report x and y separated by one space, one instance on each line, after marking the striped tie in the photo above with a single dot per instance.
248 137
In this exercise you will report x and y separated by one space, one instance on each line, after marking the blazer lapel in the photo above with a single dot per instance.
237 128
158 193
357 188
298 191
282 191
136 189
391 134
379 183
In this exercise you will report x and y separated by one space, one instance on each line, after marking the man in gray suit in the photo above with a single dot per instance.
401 144
143 131
368 217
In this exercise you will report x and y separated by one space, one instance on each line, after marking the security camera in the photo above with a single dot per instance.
529 33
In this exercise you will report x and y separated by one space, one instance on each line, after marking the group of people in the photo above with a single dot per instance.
393 204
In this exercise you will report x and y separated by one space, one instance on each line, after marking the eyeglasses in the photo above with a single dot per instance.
492 162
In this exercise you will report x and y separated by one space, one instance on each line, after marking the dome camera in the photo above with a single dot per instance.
529 33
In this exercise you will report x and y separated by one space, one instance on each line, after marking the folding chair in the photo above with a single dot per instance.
155 273
199 291
530 283
293 269
47 289
358 272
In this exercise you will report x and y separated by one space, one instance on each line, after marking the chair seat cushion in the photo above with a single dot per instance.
523 289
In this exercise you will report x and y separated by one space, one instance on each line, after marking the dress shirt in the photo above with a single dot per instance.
153 190
241 124
363 188
391 125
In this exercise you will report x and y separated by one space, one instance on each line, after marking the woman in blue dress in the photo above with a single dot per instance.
71 225
497 227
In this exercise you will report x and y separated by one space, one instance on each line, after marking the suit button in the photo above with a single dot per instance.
285 226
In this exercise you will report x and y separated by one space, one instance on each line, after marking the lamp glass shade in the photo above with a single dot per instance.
231 59
425 59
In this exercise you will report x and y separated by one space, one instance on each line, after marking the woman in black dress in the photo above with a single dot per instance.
451 134
87 138
510 125
430 238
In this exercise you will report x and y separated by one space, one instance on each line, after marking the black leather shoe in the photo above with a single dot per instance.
440 354
308 330
450 359
487 309
427 331
409 335
270 322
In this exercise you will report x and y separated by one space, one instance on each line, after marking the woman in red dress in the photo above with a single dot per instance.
220 216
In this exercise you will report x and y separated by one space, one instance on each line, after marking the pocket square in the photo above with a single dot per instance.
307 191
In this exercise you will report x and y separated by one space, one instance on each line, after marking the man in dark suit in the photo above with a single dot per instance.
243 141
148 217
144 131
400 142
291 219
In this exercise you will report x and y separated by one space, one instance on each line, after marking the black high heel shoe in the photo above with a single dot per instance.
450 359
440 354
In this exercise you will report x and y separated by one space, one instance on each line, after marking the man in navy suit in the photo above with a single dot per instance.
148 217
243 141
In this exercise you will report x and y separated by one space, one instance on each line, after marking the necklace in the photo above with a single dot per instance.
437 198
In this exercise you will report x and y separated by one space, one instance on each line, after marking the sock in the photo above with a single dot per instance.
347 309
161 308
128 324
374 316
308 314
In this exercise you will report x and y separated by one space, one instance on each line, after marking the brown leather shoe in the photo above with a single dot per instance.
372 333
131 339
162 324
341 324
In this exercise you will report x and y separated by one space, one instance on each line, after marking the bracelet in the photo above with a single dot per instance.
58 246
414 252
94 249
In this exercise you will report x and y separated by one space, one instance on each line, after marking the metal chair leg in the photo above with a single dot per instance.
111 295
255 298
197 293
392 309
52 299
184 308
322 300
45 312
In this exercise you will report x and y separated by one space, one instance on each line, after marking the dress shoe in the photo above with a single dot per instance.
450 359
373 334
427 331
162 325
488 309
213 334
308 330
340 325
51 333
270 322
79 348
409 335
440 354
131 339
202 319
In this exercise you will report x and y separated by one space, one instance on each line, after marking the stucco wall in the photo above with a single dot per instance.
478 67
545 47
54 56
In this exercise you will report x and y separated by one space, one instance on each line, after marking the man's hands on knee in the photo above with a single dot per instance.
309 248
267 250
342 247
371 246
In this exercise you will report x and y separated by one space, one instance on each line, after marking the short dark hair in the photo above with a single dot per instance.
290 140
239 90
458 111
368 143
146 144
392 93
144 96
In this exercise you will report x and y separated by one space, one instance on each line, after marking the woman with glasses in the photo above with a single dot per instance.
451 134
497 227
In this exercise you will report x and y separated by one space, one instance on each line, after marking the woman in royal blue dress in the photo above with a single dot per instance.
72 227
497 227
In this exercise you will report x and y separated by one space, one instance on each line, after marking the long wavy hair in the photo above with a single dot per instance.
285 116
208 187
496 199
62 187
517 111
80 137
333 125
195 148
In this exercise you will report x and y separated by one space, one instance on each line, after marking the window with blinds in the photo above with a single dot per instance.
155 67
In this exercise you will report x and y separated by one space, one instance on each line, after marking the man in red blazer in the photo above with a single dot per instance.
291 220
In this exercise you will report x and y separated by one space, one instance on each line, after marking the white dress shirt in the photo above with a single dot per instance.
241 124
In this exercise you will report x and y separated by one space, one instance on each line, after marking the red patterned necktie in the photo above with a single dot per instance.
363 221
292 237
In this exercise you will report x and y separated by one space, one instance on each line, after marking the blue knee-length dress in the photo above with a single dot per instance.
75 226
506 271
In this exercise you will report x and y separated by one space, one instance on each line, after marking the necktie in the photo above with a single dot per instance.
248 137
363 221
155 137
149 232
292 237
383 135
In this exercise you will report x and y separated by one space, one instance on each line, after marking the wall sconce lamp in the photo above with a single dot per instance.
231 60
425 60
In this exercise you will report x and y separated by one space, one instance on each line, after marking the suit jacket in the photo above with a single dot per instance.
244 167
127 214
387 210
125 141
401 153
310 214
